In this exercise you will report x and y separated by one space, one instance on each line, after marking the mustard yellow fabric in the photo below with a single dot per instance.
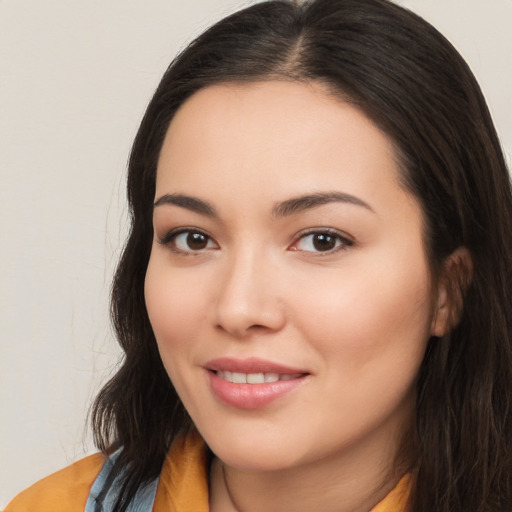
183 485
64 491
398 499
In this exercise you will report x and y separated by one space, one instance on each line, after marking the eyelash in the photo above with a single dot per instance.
342 241
170 237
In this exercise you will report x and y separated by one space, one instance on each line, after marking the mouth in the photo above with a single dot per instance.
255 378
252 366
252 383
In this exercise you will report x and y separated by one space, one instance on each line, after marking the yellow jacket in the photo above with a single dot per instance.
182 487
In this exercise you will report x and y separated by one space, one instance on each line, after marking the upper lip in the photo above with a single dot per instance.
250 365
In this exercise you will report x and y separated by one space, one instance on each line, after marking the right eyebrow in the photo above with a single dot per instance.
190 203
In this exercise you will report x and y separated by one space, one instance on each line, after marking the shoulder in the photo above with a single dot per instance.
66 490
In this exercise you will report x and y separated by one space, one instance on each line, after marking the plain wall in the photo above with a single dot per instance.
75 77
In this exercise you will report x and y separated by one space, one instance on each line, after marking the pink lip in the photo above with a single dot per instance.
251 396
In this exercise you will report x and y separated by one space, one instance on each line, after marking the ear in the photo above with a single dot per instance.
455 278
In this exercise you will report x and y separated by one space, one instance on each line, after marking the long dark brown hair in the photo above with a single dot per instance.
413 84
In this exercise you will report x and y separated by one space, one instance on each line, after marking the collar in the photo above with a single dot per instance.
183 485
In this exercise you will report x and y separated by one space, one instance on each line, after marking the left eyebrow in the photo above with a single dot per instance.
307 202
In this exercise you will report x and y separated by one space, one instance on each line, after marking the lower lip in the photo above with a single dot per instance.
251 396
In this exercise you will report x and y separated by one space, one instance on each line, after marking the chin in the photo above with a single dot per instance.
247 453
257 462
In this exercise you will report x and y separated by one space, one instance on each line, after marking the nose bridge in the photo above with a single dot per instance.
247 296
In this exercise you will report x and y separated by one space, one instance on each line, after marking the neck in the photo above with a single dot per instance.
341 484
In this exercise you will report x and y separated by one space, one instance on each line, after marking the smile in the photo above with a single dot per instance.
254 378
252 383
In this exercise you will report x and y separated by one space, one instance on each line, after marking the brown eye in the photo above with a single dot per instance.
189 241
321 241
197 241
324 242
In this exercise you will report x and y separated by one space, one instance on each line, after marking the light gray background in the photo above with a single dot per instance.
75 77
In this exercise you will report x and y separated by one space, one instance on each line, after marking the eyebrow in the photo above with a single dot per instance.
190 203
307 202
282 209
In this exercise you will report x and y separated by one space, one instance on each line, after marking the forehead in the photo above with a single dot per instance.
294 131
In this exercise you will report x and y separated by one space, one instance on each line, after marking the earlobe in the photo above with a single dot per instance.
455 278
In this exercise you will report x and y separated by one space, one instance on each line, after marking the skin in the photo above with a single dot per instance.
357 318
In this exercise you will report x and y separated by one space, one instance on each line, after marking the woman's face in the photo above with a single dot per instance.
288 286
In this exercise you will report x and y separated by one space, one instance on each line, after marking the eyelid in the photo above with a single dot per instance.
170 235
346 240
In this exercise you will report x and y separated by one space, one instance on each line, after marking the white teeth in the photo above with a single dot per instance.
253 378
239 378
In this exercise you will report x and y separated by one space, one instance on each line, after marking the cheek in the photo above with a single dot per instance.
173 303
369 312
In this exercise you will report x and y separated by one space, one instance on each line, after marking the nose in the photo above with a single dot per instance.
248 298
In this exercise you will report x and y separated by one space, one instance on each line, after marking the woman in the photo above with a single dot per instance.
317 282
